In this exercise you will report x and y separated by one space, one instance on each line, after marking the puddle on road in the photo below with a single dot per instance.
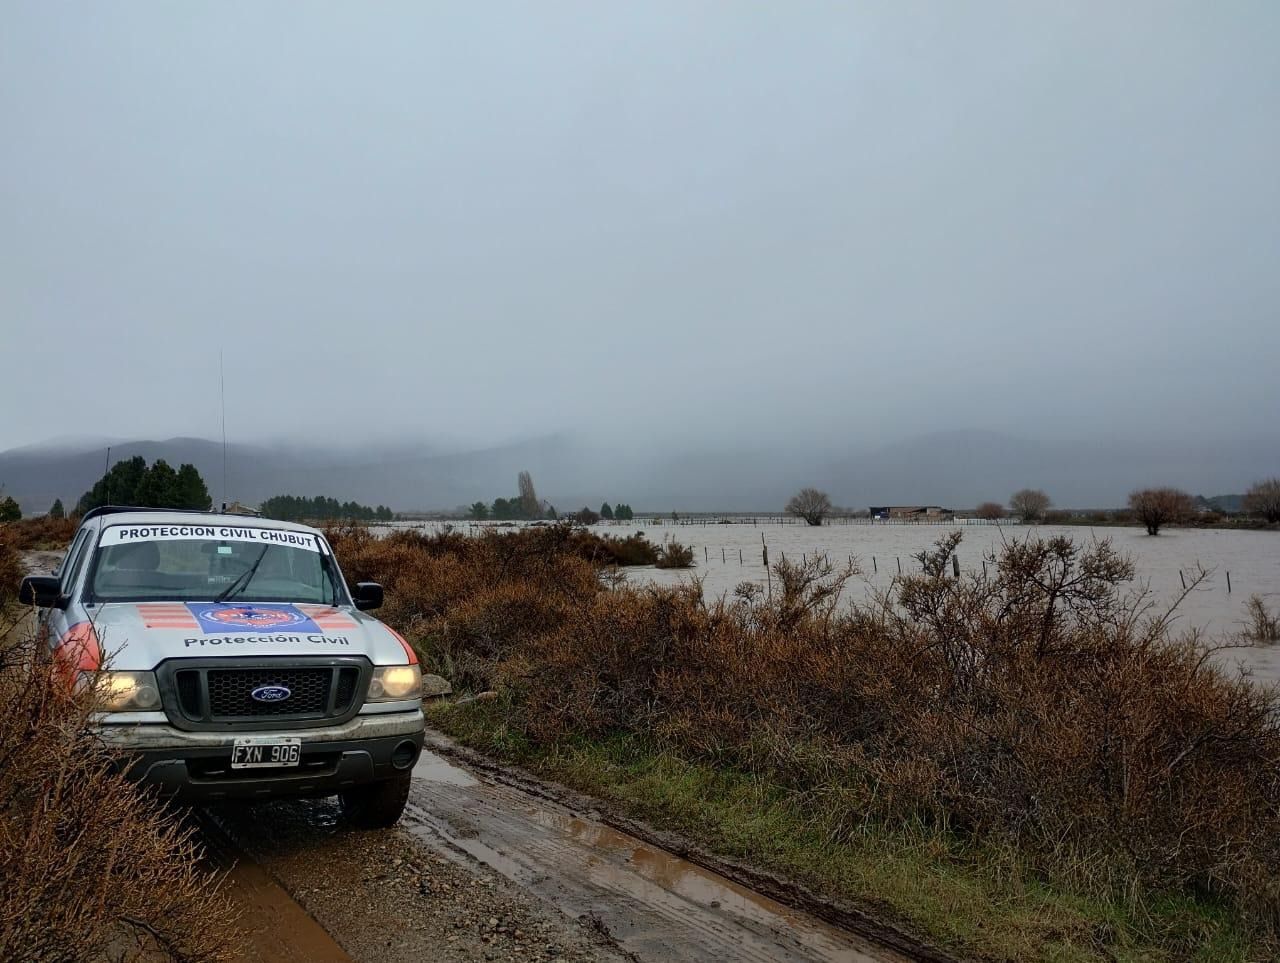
685 879
655 905
433 768
273 928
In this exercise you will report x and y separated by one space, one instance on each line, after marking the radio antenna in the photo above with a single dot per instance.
222 394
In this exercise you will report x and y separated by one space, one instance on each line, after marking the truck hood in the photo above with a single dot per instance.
141 635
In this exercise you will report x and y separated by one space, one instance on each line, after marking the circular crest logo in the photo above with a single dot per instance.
252 617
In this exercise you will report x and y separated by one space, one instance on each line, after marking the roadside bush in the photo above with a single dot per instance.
10 570
93 868
43 532
468 602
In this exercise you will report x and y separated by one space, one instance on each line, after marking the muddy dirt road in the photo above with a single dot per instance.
480 869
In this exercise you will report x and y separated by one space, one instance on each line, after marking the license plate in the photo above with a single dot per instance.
266 752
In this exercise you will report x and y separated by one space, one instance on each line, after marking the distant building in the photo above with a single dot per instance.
910 511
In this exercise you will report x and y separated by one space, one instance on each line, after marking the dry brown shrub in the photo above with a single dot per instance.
1046 706
93 868
41 532
469 602
11 570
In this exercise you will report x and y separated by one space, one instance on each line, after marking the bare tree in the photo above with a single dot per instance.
1029 504
1161 506
990 511
529 507
810 504
1263 498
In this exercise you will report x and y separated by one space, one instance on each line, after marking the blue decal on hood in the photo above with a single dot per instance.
222 618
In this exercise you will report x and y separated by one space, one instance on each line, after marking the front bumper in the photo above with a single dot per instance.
196 766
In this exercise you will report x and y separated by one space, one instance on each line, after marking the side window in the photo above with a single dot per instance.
75 558
64 566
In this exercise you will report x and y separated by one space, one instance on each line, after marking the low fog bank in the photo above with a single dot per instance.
953 469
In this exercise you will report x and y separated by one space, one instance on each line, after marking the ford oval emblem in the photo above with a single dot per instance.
270 693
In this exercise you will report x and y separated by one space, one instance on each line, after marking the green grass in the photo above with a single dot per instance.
975 901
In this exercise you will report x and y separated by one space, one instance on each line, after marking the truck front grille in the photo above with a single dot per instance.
213 694
230 691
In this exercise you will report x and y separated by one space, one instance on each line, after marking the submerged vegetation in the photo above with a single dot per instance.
1263 625
1037 763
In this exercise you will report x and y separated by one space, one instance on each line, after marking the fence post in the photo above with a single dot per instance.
1228 583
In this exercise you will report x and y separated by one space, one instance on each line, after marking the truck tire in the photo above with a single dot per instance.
377 805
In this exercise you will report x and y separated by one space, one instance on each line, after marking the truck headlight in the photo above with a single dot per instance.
123 691
393 682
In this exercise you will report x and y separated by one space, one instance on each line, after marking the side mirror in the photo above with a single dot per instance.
368 595
42 590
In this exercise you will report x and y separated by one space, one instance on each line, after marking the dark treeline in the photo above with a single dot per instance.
297 508
132 482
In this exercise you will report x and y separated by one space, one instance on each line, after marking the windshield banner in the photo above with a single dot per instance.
128 534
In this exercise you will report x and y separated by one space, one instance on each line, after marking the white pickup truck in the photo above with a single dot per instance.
230 660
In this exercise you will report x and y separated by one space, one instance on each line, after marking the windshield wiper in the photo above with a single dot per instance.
243 579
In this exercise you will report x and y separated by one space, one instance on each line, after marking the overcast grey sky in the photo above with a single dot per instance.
477 221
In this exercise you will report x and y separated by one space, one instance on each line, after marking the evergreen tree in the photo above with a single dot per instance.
9 510
118 486
191 492
551 513
501 509
479 511
57 511
159 487
606 511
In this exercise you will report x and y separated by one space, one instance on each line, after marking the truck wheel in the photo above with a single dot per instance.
377 805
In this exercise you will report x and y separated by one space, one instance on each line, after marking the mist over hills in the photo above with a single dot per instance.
956 469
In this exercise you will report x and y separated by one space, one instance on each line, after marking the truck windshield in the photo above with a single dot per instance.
208 563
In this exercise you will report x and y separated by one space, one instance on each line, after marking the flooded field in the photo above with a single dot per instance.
728 554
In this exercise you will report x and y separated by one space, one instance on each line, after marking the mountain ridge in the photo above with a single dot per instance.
957 469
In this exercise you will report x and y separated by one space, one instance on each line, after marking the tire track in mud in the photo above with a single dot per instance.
654 904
